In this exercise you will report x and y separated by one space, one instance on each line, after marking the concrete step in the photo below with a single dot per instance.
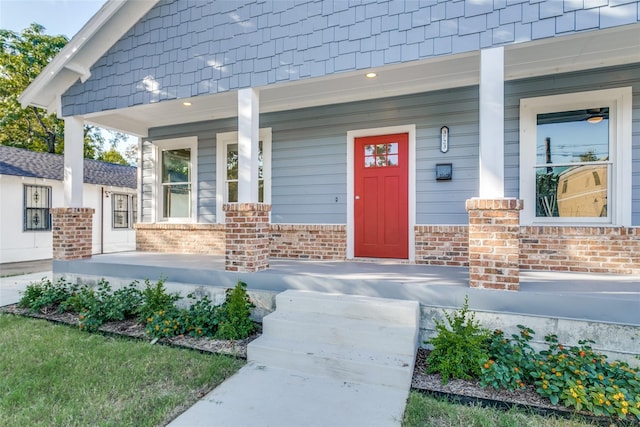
354 365
350 306
372 334
350 338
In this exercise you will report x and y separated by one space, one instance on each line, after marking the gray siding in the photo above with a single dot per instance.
565 83
206 133
189 48
309 148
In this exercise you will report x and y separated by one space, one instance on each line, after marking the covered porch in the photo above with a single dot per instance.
591 297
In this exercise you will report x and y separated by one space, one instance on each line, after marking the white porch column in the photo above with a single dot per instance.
73 161
248 139
491 123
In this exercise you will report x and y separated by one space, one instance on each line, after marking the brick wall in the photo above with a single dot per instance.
72 233
581 249
493 243
320 242
442 245
247 236
181 238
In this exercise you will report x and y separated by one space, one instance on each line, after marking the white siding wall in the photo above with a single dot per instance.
18 245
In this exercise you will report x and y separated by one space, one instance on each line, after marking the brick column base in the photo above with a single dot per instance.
246 237
494 243
72 233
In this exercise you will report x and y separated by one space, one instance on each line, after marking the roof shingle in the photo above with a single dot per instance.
21 162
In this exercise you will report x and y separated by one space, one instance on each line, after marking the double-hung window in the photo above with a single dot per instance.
227 167
124 213
37 205
177 172
575 158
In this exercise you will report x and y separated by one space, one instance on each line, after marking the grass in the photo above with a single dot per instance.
54 375
425 411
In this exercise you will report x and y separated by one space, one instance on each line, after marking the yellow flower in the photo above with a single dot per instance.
157 327
558 374
624 410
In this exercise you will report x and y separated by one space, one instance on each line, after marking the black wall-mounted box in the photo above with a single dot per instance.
444 171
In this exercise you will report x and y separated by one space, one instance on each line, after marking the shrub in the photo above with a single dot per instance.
460 346
510 360
154 299
581 378
235 320
44 294
166 323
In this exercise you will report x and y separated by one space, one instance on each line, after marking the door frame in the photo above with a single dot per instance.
411 187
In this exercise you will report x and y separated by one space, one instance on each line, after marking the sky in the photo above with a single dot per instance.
57 16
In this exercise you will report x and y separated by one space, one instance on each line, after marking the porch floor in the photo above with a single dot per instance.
595 297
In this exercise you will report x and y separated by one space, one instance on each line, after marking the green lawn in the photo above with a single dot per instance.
54 375
425 411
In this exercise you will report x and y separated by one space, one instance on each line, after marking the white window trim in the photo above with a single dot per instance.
620 151
226 138
190 142
351 136
132 205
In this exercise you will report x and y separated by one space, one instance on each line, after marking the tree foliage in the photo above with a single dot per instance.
22 57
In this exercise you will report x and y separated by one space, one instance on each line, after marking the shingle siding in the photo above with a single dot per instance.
187 48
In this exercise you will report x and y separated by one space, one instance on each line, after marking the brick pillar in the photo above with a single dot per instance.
494 246
247 237
72 233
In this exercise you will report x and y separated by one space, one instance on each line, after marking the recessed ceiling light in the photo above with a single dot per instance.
370 75
595 119
186 104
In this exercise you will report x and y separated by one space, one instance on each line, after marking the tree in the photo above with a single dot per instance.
113 156
22 57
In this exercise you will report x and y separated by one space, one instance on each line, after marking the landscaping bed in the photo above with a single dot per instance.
133 329
468 364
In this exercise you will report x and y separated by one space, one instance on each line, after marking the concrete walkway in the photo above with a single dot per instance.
261 396
11 287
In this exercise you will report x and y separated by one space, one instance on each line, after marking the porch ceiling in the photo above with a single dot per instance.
583 51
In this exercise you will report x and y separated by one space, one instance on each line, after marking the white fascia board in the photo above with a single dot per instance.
118 16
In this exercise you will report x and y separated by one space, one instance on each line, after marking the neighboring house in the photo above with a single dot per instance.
412 130
31 184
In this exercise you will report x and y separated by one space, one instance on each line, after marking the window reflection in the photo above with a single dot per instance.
572 156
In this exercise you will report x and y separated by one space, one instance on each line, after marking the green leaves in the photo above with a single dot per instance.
459 347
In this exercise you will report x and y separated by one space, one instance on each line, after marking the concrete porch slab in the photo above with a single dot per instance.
602 298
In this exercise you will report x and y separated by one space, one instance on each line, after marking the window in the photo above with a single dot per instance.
124 213
227 166
37 202
177 163
575 158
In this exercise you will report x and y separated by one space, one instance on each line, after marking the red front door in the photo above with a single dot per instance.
381 196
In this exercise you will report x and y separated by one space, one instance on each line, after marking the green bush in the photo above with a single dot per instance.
581 378
235 314
40 295
510 360
460 346
155 299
